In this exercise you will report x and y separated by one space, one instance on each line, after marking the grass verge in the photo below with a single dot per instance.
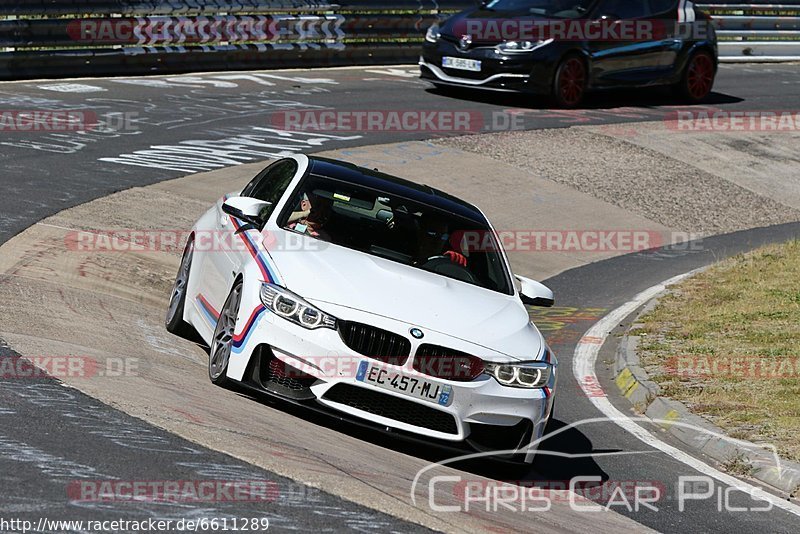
726 343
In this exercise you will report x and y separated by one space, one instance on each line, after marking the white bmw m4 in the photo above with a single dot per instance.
371 297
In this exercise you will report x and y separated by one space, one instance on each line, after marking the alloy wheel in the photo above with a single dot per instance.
223 336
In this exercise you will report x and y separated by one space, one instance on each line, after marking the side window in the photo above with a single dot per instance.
625 9
270 184
661 7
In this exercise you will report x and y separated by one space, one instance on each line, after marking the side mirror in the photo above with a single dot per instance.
249 210
535 293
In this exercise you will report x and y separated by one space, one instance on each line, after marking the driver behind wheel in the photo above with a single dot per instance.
432 241
315 211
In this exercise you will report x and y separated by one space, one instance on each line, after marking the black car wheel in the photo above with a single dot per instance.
698 78
569 84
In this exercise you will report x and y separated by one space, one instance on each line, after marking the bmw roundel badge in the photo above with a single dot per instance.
417 333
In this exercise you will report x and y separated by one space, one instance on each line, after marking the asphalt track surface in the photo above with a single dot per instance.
51 434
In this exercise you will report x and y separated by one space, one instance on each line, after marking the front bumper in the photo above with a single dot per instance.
481 414
511 82
524 72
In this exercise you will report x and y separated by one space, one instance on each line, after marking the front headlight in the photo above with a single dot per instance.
293 308
433 34
529 375
511 47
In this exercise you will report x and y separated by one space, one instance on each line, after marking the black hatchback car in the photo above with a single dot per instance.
565 48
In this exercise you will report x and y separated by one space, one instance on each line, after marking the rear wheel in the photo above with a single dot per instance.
570 81
222 343
177 300
698 78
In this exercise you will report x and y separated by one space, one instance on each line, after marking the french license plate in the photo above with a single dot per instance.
379 375
461 63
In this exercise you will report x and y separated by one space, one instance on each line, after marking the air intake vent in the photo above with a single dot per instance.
391 407
375 343
441 362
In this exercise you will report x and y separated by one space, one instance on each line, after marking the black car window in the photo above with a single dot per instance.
625 9
270 184
380 223
660 7
546 8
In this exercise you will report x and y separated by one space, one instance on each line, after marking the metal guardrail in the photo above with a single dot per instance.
53 8
756 31
51 38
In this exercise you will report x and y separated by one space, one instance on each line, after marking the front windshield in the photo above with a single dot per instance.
544 8
398 229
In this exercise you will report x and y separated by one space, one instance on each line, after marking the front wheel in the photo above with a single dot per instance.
698 78
570 82
222 343
177 301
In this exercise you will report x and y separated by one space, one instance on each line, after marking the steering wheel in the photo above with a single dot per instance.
443 265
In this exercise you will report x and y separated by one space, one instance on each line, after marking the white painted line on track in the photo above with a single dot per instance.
583 365
209 73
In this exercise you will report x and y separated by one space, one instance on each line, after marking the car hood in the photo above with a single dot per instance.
370 284
457 25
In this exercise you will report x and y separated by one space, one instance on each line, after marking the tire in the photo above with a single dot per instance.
177 302
570 82
222 342
698 78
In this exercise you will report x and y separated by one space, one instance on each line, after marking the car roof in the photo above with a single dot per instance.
374 179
